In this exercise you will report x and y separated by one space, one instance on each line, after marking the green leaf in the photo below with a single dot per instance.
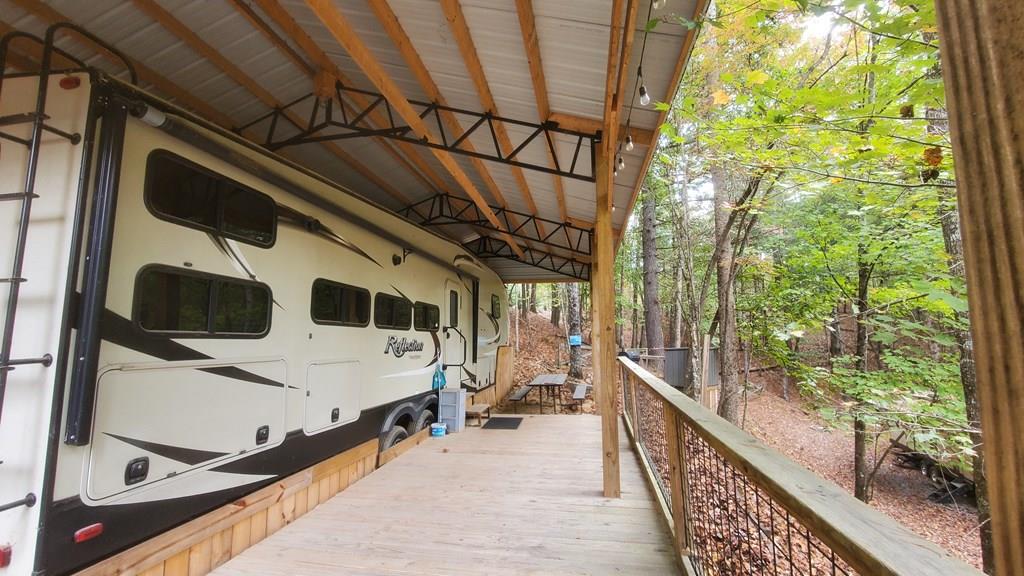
651 24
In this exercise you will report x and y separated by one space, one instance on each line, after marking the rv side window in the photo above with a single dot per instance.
392 312
185 193
334 303
426 317
453 308
495 306
190 304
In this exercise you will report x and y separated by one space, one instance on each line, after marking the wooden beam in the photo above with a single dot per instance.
346 36
183 32
146 75
389 21
457 24
641 137
247 12
528 28
323 76
684 56
982 49
28 56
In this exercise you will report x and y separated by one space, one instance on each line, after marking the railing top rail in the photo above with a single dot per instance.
870 541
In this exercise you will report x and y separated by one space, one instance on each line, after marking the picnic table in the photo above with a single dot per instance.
552 383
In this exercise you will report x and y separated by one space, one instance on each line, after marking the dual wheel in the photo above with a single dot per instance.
399 433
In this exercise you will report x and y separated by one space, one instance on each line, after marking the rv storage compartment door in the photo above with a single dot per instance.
181 416
332 394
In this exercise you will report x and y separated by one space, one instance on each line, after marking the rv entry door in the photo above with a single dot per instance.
454 334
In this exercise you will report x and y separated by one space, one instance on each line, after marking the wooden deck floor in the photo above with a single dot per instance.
524 501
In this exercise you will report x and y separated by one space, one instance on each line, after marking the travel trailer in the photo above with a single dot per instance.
191 317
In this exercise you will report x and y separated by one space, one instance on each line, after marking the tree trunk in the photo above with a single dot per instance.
860 464
968 379
533 298
652 303
729 403
575 354
556 305
620 342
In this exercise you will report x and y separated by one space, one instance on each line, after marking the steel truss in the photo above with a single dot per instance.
486 247
337 118
445 210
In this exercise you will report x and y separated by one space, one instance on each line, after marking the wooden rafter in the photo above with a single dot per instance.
190 38
27 56
389 21
323 63
346 36
457 24
641 136
527 26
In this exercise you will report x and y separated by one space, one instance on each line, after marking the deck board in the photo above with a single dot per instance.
508 502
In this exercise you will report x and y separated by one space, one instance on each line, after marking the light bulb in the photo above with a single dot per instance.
645 98
629 142
620 164
615 173
657 4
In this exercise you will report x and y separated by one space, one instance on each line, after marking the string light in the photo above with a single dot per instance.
629 141
645 98
657 4
620 163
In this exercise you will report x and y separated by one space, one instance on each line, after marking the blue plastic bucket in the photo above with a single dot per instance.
438 429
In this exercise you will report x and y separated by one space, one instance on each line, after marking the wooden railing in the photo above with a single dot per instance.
736 506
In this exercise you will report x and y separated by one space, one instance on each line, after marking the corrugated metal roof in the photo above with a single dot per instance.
573 40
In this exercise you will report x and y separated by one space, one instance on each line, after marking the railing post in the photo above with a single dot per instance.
677 480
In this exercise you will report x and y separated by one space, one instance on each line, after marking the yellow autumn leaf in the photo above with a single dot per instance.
757 77
720 97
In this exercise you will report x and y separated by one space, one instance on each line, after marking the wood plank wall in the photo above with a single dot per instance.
199 546
502 383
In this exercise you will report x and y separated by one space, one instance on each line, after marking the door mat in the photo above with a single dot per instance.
502 423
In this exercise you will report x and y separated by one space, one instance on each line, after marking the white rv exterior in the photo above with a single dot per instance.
256 320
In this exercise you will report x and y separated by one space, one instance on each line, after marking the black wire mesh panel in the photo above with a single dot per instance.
736 528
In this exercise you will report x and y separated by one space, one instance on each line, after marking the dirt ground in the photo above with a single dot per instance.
790 428
900 493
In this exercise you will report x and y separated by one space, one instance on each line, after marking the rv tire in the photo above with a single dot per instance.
425 419
394 436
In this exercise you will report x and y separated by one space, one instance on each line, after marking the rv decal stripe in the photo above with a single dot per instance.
437 349
119 330
184 455
290 216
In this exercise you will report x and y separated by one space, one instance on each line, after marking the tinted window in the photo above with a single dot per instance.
335 303
188 303
495 306
392 312
426 317
188 194
453 308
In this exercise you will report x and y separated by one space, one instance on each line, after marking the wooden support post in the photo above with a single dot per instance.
603 302
681 539
983 64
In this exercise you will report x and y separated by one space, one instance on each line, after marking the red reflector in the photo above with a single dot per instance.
89 532
70 82
5 556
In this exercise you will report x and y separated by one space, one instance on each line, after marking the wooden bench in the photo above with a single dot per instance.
579 394
520 394
478 411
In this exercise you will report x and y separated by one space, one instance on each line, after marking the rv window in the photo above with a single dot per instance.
495 306
426 317
392 312
187 194
180 302
453 308
334 303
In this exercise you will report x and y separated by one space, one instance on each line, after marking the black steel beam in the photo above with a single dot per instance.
325 125
446 210
486 247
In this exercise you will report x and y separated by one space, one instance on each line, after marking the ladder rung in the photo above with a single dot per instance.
45 360
12 280
22 118
17 196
